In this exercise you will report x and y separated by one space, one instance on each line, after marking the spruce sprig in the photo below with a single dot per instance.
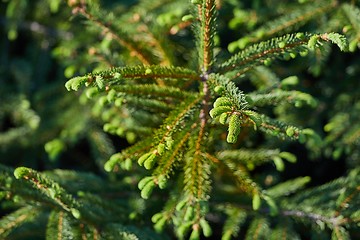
192 101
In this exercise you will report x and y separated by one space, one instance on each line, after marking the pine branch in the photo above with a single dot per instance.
120 36
252 157
152 37
61 226
197 186
101 146
196 176
288 187
257 54
284 230
53 192
15 219
119 231
164 135
172 123
278 97
117 76
206 34
132 152
241 177
228 89
168 161
340 233
263 78
327 208
332 221
259 229
89 232
352 15
236 217
279 129
290 22
150 105
281 47
177 137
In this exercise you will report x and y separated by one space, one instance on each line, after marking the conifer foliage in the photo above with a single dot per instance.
200 122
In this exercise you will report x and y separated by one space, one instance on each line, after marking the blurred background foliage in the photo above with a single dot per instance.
42 44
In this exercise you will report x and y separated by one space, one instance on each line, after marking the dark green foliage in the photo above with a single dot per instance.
186 123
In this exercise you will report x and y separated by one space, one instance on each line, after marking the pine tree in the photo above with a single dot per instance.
201 122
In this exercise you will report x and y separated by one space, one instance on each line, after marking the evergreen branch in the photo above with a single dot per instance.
161 45
316 205
167 59
6 176
60 226
15 219
263 78
50 189
344 125
120 36
344 204
247 155
236 217
101 204
152 90
166 121
196 176
352 14
252 158
176 117
207 32
336 38
352 135
201 134
228 89
340 233
76 182
203 168
231 107
156 71
117 76
123 232
89 232
241 177
197 185
283 231
159 219
286 23
166 163
101 145
333 221
278 128
132 152
203 116
258 229
352 180
288 187
210 157
281 47
277 97
257 54
173 123
151 105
